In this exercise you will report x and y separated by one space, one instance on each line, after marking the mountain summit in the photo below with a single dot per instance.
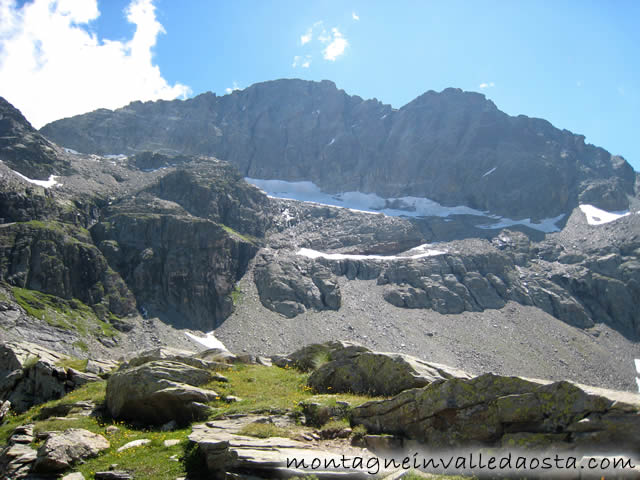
453 147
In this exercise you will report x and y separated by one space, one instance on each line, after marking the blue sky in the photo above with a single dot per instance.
574 63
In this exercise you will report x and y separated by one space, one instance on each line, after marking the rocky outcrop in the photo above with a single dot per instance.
17 457
346 367
290 286
492 410
209 188
30 375
225 451
180 268
580 288
60 259
325 228
62 450
377 373
158 392
175 355
454 147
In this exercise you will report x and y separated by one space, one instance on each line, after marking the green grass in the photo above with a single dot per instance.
236 296
265 430
66 314
271 389
79 364
246 238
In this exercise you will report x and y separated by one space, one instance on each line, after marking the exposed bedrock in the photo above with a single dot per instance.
510 412
579 288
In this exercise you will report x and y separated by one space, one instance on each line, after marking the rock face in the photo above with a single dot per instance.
175 248
579 287
514 412
454 147
24 149
17 457
60 259
29 375
290 287
158 392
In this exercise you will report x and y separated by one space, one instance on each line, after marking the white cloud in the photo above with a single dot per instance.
324 37
355 16
53 66
299 61
233 88
306 38
337 46
487 85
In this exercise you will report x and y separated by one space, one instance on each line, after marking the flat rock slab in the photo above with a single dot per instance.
271 457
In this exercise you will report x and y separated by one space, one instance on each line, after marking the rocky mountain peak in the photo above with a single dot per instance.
453 147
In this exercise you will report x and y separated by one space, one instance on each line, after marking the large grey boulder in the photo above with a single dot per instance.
63 450
339 366
499 411
176 355
377 373
158 392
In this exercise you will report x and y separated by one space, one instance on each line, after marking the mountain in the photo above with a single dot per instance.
152 241
453 147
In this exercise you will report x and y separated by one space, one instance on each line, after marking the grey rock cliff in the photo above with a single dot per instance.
454 147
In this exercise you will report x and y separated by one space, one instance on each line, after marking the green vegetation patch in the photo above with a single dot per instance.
272 390
265 430
58 312
231 231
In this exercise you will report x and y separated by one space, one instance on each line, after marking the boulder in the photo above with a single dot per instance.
158 392
376 373
312 356
493 410
63 450
183 356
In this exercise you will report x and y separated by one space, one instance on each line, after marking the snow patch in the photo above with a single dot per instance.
209 340
596 216
119 156
306 191
637 361
490 171
417 252
42 183
71 151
